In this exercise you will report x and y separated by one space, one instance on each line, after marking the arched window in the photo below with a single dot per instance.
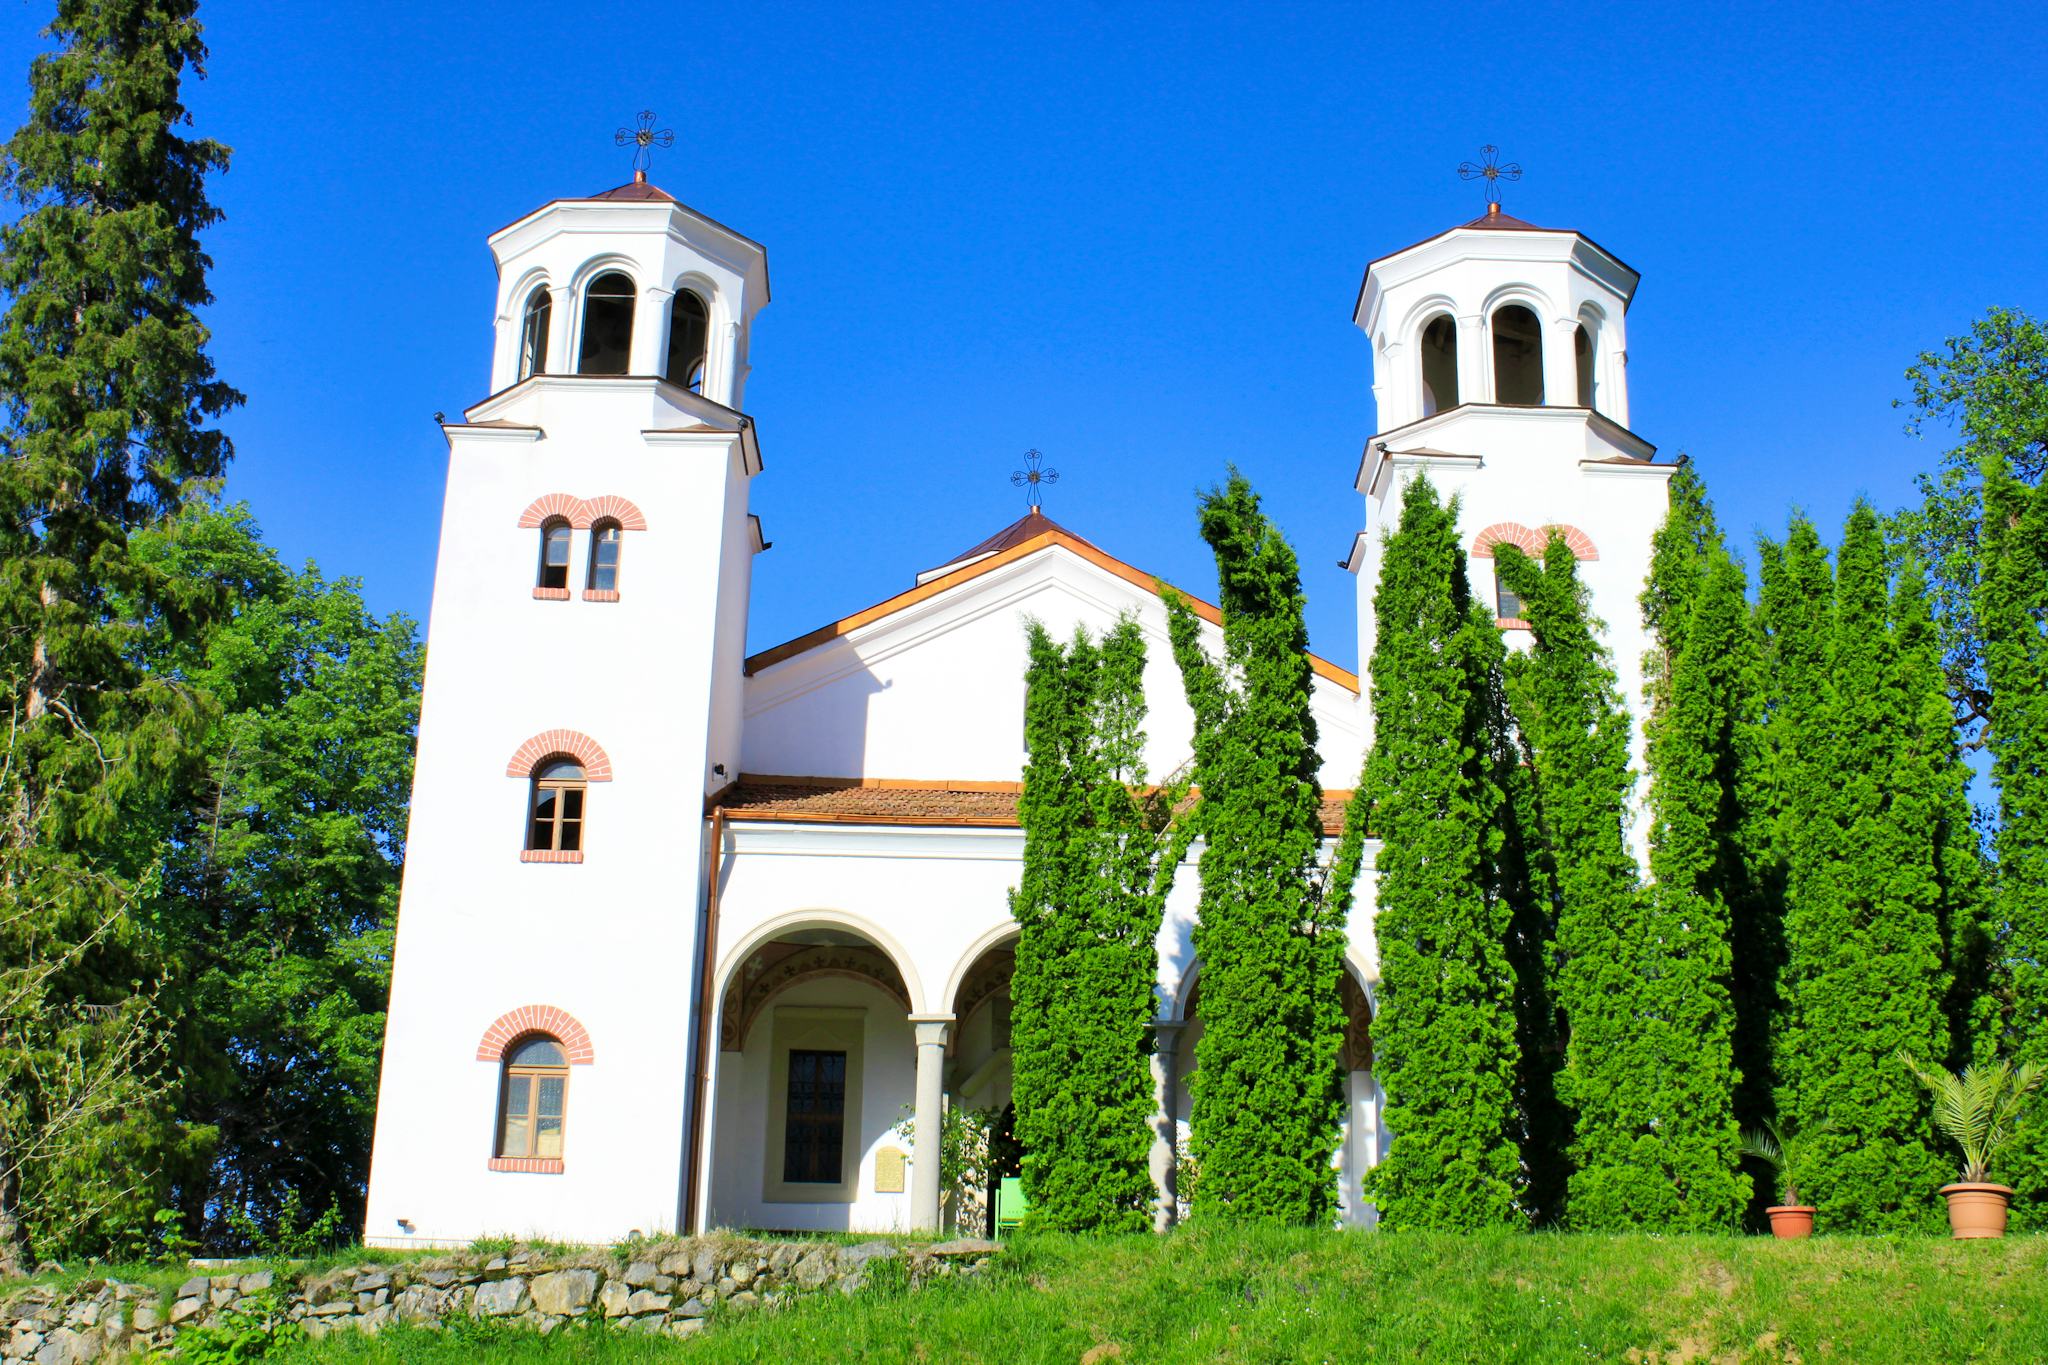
603 576
530 1100
533 333
1439 365
689 332
554 555
555 816
607 325
1517 356
1582 351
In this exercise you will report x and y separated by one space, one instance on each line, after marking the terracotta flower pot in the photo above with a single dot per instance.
1791 1221
1977 1210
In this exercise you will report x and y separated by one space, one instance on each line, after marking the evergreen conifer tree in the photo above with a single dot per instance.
2011 605
106 393
1099 858
1445 1041
1708 795
1267 1088
1642 977
1869 789
1698 742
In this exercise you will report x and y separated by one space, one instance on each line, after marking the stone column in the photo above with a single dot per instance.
1166 1132
931 1101
1561 364
649 351
560 352
1475 360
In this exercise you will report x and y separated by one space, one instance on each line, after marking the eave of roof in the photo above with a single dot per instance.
1052 535
1489 222
805 800
641 191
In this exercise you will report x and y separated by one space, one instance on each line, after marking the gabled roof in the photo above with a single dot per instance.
1033 522
1026 536
891 801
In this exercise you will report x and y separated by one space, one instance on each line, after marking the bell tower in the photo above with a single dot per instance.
1500 368
583 696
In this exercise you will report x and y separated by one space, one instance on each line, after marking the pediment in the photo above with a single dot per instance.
930 684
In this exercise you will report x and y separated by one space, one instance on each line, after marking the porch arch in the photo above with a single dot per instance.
795 921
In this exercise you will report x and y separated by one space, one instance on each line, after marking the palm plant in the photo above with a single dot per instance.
1768 1145
1979 1108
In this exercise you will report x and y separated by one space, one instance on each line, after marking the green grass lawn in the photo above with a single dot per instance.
1275 1296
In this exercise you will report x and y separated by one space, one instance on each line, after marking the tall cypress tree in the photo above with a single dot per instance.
107 392
1268 1090
1699 741
2011 608
1523 875
1866 974
1642 977
1099 859
1709 796
1445 1042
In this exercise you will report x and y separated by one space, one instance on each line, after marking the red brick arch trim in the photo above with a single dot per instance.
597 765
612 507
582 513
1580 543
530 1019
549 507
1532 542
1513 533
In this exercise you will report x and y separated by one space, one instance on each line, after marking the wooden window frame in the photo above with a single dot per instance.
541 586
560 786
1502 599
591 591
508 1071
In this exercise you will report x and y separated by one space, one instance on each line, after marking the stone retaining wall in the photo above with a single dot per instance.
671 1287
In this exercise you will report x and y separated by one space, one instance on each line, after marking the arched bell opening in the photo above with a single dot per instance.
1439 365
1582 357
1517 356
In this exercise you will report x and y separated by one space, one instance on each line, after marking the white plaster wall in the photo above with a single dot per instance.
888 1083
609 940
936 691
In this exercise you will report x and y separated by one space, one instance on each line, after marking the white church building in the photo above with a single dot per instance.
693 938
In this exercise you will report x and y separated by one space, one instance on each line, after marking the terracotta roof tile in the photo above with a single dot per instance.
854 801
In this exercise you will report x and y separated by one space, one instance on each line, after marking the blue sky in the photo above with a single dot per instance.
1128 235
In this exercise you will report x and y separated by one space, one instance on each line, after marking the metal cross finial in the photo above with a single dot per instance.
643 138
1490 170
1032 479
